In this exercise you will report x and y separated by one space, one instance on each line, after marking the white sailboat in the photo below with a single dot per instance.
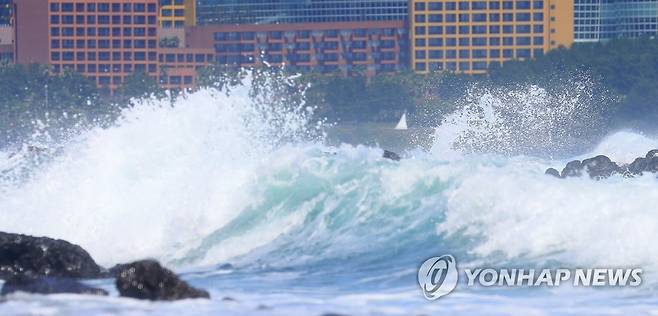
402 125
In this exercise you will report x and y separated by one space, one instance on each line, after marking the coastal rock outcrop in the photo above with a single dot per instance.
47 285
42 256
601 167
391 155
148 280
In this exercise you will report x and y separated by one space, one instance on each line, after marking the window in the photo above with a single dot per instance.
523 29
480 17
480 41
523 41
479 29
436 54
421 66
435 42
522 5
523 17
523 53
436 6
479 53
436 18
433 30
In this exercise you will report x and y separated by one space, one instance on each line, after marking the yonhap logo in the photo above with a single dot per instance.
438 276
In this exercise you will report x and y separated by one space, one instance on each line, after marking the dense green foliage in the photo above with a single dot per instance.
31 98
624 72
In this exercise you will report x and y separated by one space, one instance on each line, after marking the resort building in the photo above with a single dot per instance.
370 47
298 11
6 13
6 44
587 20
177 13
600 20
468 36
104 40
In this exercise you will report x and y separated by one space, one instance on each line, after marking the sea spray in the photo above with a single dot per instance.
524 119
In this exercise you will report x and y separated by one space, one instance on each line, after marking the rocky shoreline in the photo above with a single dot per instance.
602 167
42 265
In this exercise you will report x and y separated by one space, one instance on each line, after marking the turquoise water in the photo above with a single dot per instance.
273 222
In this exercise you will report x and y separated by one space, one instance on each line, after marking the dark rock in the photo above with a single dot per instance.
391 155
47 285
600 167
652 165
148 280
573 169
638 166
21 254
228 299
552 172
225 266
652 154
114 271
262 307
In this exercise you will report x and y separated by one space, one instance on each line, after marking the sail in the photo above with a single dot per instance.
402 125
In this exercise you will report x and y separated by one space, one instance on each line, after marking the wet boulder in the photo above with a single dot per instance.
148 280
552 172
600 167
42 256
36 284
391 155
572 169
637 167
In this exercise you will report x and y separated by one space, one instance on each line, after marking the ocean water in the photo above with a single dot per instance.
250 203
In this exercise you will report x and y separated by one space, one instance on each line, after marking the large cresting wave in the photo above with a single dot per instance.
220 178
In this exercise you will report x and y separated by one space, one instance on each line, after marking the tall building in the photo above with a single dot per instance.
587 20
468 36
6 12
298 11
371 47
600 20
177 13
105 40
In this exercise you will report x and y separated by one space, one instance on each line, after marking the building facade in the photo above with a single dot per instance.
370 47
177 13
298 11
6 12
601 20
587 20
468 36
105 40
